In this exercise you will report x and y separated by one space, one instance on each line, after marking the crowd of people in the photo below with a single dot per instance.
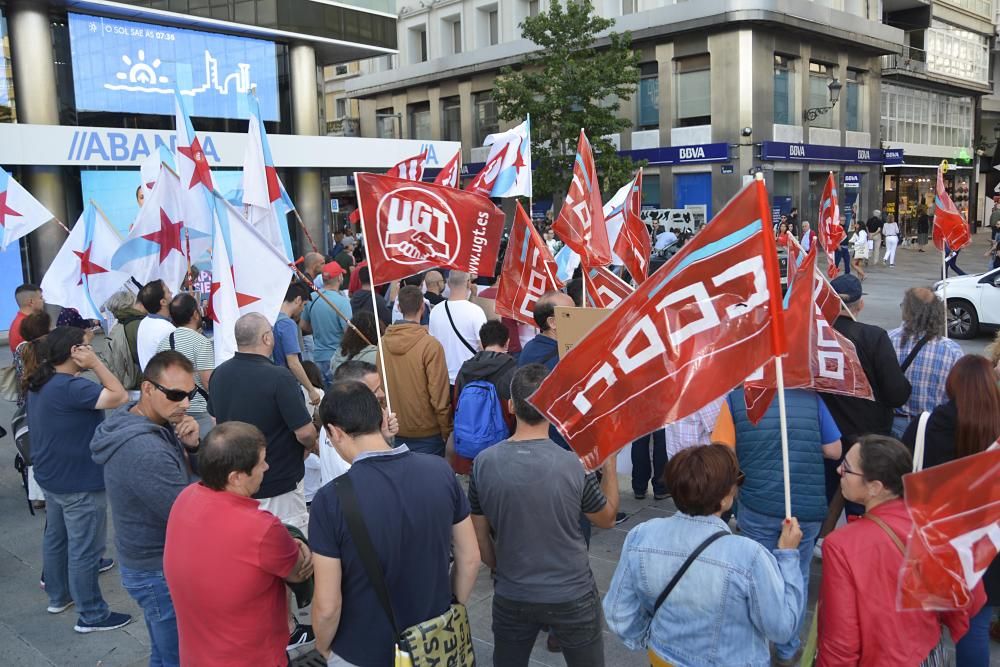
252 496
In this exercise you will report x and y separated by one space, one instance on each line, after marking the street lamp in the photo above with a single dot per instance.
834 87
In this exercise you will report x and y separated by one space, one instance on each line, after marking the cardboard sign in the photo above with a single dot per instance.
572 324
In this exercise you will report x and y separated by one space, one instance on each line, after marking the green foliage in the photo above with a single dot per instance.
566 85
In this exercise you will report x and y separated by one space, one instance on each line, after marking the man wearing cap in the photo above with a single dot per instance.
326 325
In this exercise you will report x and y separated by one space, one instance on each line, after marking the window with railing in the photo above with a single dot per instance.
959 53
914 116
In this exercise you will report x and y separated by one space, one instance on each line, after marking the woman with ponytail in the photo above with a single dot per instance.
63 412
33 327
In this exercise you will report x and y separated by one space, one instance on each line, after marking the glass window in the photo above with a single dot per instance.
651 189
484 116
386 124
784 90
852 103
532 7
6 84
959 53
911 115
494 21
694 96
820 76
649 96
630 6
340 107
420 120
418 44
456 36
451 119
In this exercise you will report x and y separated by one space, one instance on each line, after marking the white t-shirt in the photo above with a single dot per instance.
890 229
320 470
152 330
468 319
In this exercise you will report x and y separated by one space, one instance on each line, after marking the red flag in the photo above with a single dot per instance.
411 227
956 531
410 169
603 288
450 172
827 299
821 359
831 232
528 271
581 220
949 225
695 329
483 182
633 244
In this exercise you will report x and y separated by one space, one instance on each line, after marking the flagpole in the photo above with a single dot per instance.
944 288
779 371
106 218
371 274
304 230
305 279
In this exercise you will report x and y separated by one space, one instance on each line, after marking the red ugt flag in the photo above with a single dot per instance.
949 225
603 288
581 220
955 509
528 271
695 329
449 174
831 232
633 244
821 359
411 227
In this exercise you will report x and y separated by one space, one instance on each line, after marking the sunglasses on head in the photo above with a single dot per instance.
175 395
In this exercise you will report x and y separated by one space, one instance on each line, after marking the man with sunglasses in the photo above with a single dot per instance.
147 450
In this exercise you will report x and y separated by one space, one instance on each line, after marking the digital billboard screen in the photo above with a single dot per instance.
131 67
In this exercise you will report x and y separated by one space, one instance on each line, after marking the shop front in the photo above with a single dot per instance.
908 190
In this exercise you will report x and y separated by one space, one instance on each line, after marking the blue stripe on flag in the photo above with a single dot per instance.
713 248
583 170
133 250
4 177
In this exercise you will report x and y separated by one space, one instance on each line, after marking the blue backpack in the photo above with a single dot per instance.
479 421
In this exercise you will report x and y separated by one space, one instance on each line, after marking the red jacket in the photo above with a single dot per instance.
858 621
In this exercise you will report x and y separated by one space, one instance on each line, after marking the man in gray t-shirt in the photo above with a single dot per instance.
526 495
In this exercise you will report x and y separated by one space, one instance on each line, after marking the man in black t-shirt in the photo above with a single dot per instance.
251 389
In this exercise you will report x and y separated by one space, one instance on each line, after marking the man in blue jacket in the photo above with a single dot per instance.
543 349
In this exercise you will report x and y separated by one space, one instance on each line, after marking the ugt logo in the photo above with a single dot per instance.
418 226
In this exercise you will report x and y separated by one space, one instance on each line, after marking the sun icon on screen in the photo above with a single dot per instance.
140 71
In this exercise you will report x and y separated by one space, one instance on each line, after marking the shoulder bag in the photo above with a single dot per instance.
913 354
443 640
455 329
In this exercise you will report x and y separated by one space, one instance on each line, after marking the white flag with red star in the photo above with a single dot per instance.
196 182
20 213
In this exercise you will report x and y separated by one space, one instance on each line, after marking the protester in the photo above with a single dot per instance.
63 412
434 284
287 350
416 280
966 424
539 558
417 378
25 362
322 320
185 313
312 267
783 235
925 355
890 230
793 222
146 449
359 342
312 478
249 388
361 300
694 429
29 300
859 242
858 620
485 298
155 297
646 469
732 600
124 359
345 258
808 237
226 562
456 323
812 437
843 251
404 498
543 349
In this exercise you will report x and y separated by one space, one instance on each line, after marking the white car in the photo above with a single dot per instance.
973 303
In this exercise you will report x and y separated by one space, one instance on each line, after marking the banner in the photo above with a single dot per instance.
580 222
513 171
20 213
831 232
949 225
695 329
603 288
451 172
265 200
410 227
633 244
528 271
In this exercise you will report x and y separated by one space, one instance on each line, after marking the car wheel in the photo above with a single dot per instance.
963 323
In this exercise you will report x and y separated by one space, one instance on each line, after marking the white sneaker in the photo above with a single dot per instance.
818 549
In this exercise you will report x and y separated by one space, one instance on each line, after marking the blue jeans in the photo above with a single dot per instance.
842 254
433 444
642 471
149 590
576 624
973 650
76 530
765 531
899 425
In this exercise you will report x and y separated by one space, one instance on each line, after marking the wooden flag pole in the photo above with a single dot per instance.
305 231
305 279
60 223
944 288
779 371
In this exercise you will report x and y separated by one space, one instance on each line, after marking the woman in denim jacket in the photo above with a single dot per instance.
735 597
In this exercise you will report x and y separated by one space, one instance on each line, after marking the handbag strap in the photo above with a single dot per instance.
918 446
363 543
455 329
889 531
913 353
680 573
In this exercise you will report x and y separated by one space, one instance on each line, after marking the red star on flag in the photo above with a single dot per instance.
201 172
87 267
273 185
242 300
6 210
519 163
169 236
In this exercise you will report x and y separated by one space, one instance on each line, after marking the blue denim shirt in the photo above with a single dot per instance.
733 599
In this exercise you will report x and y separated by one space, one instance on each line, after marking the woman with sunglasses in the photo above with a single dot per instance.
689 591
858 622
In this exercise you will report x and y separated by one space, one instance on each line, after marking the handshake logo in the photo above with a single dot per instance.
418 227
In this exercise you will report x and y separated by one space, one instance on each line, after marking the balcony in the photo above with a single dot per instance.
911 60
344 127
956 69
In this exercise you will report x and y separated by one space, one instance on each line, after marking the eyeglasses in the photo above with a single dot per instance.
740 478
845 469
175 395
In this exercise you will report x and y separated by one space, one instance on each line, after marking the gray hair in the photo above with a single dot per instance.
249 329
458 279
120 300
923 314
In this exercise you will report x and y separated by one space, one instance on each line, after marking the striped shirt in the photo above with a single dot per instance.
695 429
200 352
928 372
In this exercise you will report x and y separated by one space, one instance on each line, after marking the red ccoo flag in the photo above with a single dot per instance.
633 244
695 329
411 227
484 181
955 509
949 225
603 288
831 232
581 220
528 271
449 174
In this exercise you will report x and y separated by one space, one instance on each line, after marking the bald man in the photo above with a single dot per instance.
251 389
434 287
542 348
312 266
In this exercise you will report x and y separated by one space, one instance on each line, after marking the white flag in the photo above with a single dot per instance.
20 213
196 184
264 196
514 177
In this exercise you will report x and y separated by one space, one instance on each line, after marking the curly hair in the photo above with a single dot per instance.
923 314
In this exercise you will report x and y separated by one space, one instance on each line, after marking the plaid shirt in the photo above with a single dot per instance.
928 372
695 429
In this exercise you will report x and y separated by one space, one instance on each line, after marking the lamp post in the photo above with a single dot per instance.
834 87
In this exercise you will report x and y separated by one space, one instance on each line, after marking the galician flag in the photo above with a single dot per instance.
196 185
513 176
81 276
265 198
223 308
20 213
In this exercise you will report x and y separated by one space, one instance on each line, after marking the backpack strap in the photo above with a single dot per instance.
455 329
680 573
913 353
